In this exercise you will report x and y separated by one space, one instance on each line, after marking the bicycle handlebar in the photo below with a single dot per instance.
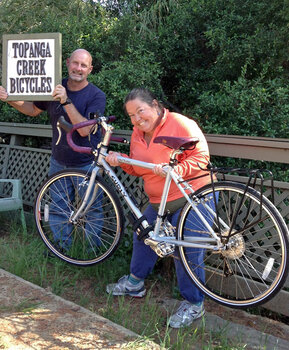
70 128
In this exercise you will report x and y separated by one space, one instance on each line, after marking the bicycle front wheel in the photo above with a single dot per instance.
251 267
92 237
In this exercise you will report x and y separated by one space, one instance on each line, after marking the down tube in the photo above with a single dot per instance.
120 188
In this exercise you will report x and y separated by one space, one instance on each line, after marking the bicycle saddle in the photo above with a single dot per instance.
174 142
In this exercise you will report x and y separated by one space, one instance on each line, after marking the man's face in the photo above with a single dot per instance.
79 66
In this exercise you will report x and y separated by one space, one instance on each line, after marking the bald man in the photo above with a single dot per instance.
75 99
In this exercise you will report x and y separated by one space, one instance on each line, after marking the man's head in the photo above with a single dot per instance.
79 65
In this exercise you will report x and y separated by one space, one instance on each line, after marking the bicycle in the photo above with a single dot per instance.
243 239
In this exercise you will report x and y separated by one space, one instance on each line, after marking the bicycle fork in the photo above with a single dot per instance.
86 203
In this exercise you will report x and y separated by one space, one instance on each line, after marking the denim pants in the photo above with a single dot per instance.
144 258
60 209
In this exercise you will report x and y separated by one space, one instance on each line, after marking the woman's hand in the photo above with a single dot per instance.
159 170
111 158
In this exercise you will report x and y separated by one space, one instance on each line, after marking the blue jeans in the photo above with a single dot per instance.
144 258
60 209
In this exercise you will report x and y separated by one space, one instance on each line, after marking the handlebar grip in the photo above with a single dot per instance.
64 124
119 139
111 119
70 128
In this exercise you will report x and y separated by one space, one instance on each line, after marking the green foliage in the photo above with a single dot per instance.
256 107
137 68
223 62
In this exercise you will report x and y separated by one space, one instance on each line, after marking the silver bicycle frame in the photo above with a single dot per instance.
212 242
193 242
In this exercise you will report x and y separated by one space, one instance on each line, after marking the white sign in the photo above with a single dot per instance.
31 65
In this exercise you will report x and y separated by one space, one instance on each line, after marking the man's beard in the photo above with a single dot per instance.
76 77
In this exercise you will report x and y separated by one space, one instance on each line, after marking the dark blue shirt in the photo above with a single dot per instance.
89 99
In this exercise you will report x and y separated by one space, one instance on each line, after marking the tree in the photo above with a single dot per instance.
206 57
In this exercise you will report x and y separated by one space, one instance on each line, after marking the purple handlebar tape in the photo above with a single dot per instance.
88 150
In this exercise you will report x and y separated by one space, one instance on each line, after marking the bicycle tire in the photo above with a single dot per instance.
255 267
92 238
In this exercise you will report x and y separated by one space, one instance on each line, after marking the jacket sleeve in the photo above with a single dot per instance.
189 160
189 163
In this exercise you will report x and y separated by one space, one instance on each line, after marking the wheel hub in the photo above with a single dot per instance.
235 247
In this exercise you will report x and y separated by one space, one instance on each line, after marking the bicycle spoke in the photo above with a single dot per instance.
251 267
88 239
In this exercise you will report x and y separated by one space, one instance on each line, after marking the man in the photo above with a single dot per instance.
75 99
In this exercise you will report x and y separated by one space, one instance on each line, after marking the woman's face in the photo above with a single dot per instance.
142 115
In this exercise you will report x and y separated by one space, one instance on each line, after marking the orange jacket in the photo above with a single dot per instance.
172 124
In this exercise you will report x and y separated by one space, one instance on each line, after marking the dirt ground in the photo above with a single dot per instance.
159 294
261 324
34 318
21 306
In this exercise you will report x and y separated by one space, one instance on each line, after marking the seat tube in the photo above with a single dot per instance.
163 200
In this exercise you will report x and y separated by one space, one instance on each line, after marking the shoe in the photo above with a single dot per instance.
186 314
124 287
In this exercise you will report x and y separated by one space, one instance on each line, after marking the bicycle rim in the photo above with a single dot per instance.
253 267
90 239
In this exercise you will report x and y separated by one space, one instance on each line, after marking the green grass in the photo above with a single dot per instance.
23 256
25 306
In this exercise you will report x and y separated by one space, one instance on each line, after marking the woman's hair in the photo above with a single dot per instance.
144 95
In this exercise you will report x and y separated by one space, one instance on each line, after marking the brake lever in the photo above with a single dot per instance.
62 124
59 133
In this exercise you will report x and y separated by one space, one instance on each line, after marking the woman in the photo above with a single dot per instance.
150 120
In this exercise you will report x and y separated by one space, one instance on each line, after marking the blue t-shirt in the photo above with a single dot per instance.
90 99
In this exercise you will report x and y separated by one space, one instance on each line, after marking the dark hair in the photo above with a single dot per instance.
144 95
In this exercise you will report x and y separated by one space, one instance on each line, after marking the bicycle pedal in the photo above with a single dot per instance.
162 249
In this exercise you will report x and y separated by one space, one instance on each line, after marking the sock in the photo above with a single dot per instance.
133 280
199 303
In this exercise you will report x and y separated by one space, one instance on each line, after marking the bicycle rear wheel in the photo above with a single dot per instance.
93 237
253 265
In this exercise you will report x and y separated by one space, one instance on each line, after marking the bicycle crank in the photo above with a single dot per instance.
162 249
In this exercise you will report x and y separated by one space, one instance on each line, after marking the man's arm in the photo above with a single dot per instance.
75 117
25 107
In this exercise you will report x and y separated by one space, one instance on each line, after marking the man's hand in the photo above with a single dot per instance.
3 94
59 94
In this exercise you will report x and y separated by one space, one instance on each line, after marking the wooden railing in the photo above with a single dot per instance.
31 165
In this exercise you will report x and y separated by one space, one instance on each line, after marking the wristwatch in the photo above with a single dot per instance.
67 102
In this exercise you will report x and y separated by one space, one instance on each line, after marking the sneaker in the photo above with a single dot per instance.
186 314
124 287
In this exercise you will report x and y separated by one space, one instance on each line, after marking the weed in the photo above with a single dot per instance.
23 256
25 306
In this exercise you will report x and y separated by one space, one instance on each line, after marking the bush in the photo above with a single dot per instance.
256 107
136 68
211 59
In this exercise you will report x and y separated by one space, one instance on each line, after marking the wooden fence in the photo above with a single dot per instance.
31 165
